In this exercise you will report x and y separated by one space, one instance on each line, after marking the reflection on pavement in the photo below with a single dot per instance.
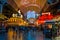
24 35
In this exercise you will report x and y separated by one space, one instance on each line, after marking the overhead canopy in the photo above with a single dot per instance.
25 5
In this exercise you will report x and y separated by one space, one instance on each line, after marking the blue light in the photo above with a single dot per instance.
31 14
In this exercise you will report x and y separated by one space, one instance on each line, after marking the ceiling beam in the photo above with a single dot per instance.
13 4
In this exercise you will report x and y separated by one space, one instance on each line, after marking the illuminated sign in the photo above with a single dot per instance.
44 17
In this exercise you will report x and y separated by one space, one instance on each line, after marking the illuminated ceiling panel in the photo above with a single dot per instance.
36 5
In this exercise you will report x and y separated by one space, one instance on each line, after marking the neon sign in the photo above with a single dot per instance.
44 17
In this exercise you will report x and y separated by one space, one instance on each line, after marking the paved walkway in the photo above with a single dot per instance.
30 35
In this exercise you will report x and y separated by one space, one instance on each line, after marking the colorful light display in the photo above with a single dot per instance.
17 21
44 17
